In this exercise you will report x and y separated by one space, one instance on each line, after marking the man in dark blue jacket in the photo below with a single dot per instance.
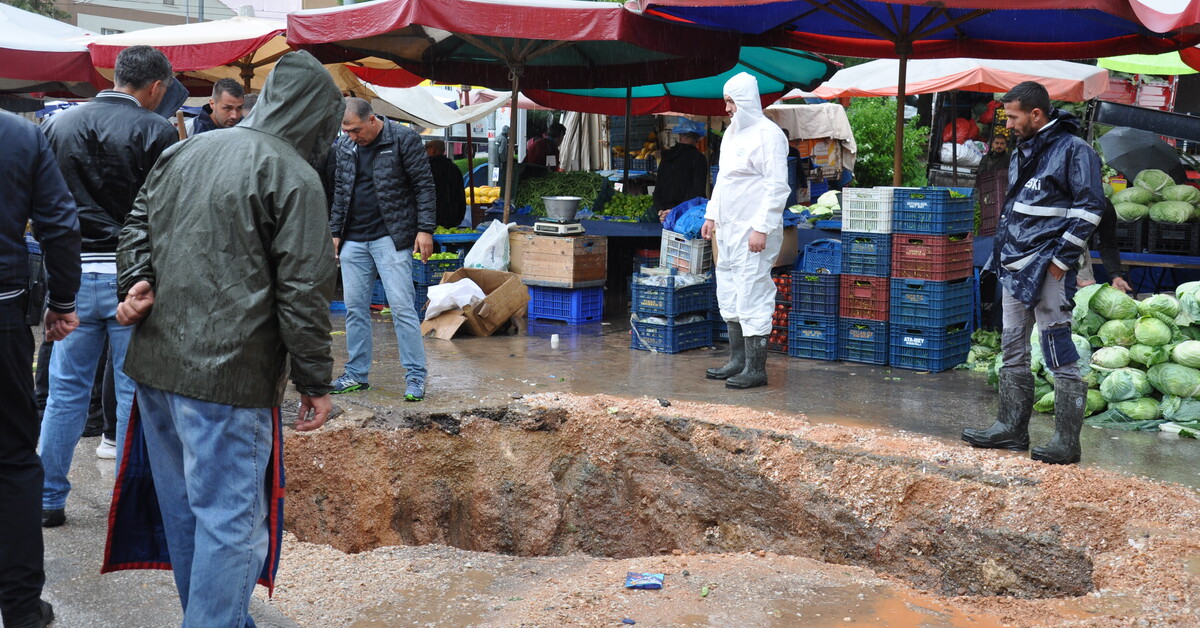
31 190
1053 204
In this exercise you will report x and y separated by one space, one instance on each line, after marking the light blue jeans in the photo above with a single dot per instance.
72 373
360 262
210 462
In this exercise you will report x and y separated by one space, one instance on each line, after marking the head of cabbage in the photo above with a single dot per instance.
1133 195
1147 355
1169 378
1108 189
1176 212
1124 384
1110 358
1186 353
1129 212
1113 304
1164 304
1143 409
1185 193
1149 330
1189 302
1117 333
1095 402
1153 180
1180 408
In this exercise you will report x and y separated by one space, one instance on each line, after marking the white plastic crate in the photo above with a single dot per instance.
689 256
867 210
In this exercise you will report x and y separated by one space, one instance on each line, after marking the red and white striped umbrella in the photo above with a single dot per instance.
39 54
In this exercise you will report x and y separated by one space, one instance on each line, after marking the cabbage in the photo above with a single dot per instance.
1131 211
1124 384
1164 304
1150 331
1113 304
1144 409
829 199
1041 387
1045 404
1133 195
1153 180
1095 403
1175 379
1187 353
1189 302
1180 408
1111 357
1176 212
1147 355
1108 189
1185 193
1117 333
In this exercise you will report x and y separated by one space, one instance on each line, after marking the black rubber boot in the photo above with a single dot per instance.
1011 429
737 355
755 373
1070 402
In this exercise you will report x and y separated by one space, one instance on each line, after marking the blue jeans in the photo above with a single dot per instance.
72 373
210 462
360 262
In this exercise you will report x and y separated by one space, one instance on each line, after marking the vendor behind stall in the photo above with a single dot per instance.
683 170
544 151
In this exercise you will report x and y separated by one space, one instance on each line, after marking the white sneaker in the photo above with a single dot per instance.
107 449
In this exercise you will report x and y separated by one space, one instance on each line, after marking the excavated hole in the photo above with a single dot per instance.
529 482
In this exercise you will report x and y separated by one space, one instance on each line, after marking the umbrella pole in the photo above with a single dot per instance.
898 157
466 94
628 114
512 132
954 136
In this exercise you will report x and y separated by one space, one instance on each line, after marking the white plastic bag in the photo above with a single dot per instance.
968 154
444 297
490 251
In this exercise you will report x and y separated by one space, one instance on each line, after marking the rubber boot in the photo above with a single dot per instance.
1070 402
755 373
1011 429
737 355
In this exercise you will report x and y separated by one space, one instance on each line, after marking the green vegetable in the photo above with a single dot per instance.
1108 189
986 338
1144 409
1045 404
1131 211
1175 379
1095 403
1153 180
1148 355
1113 304
589 186
1111 357
1184 193
1151 331
1124 384
1175 212
1187 353
1090 324
1175 408
1117 333
1189 302
1133 195
1164 304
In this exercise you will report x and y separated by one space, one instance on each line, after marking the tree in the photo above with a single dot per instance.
874 124
41 7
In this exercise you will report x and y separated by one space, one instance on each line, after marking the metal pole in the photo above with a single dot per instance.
470 157
508 156
628 114
898 157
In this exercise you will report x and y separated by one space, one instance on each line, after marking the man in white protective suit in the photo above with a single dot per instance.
745 215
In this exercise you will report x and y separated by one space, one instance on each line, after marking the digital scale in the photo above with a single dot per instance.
554 227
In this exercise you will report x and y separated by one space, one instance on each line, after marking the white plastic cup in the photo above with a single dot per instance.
553 341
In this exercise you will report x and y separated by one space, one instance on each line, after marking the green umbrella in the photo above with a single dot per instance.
1166 64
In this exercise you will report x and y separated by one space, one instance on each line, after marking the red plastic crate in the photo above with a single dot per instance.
783 286
779 318
864 297
932 257
991 187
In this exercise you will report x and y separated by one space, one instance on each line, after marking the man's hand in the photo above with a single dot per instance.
1083 283
708 229
337 248
662 215
424 245
318 407
1122 285
137 304
1056 272
758 241
59 325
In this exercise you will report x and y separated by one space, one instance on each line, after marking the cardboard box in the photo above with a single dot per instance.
505 299
789 250
558 261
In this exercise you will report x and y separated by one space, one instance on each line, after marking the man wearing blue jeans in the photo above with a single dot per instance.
105 150
384 206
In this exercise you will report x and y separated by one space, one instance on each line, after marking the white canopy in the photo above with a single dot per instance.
420 106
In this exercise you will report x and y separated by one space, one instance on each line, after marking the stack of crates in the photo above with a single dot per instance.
867 216
679 309
428 274
778 340
932 286
812 326
572 306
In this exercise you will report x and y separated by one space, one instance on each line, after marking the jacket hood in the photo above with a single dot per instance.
743 89
300 105
678 152
1067 121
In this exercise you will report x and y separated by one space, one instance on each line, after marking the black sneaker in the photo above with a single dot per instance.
54 517
37 619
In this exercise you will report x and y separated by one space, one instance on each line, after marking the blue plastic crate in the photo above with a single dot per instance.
814 337
671 301
720 327
815 293
337 307
933 349
861 340
672 337
933 211
378 295
823 256
923 302
572 305
816 189
867 254
431 271
419 301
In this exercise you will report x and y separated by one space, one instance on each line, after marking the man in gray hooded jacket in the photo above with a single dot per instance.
228 284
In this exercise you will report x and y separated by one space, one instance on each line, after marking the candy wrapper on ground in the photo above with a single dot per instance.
634 580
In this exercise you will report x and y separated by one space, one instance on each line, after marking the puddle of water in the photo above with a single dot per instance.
885 608
453 603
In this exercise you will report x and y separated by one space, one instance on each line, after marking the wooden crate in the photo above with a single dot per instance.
559 261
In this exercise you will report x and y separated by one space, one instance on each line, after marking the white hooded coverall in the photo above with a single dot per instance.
749 195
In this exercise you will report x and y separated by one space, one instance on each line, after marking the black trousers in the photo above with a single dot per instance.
21 570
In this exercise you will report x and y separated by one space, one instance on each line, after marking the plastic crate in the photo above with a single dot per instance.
670 338
572 305
864 297
815 293
378 294
687 256
779 317
933 211
866 254
668 300
431 271
933 349
867 210
421 299
720 328
991 187
1172 239
934 257
783 286
862 341
930 303
816 189
337 307
814 337
1132 235
645 165
777 342
823 256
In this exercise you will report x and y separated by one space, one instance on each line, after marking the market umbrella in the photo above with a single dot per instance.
777 71
1130 151
1166 64
39 54
541 44
904 29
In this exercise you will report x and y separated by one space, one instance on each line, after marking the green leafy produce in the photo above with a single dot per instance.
586 185
1045 404
1187 353
1090 324
1108 189
1131 211
447 255
1176 408
1124 384
1143 409
1175 379
633 206
1133 195
1189 302
1113 304
1175 212
1148 355
1111 357
1153 180
1095 403
445 230
1151 331
986 338
1184 193
1117 333
1164 304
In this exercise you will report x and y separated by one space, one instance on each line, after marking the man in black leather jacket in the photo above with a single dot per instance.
105 149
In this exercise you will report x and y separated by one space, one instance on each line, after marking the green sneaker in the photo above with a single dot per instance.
347 384
415 390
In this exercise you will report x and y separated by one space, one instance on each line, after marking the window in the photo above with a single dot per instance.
110 31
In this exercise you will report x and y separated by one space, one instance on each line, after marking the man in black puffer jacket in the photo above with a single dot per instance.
384 206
